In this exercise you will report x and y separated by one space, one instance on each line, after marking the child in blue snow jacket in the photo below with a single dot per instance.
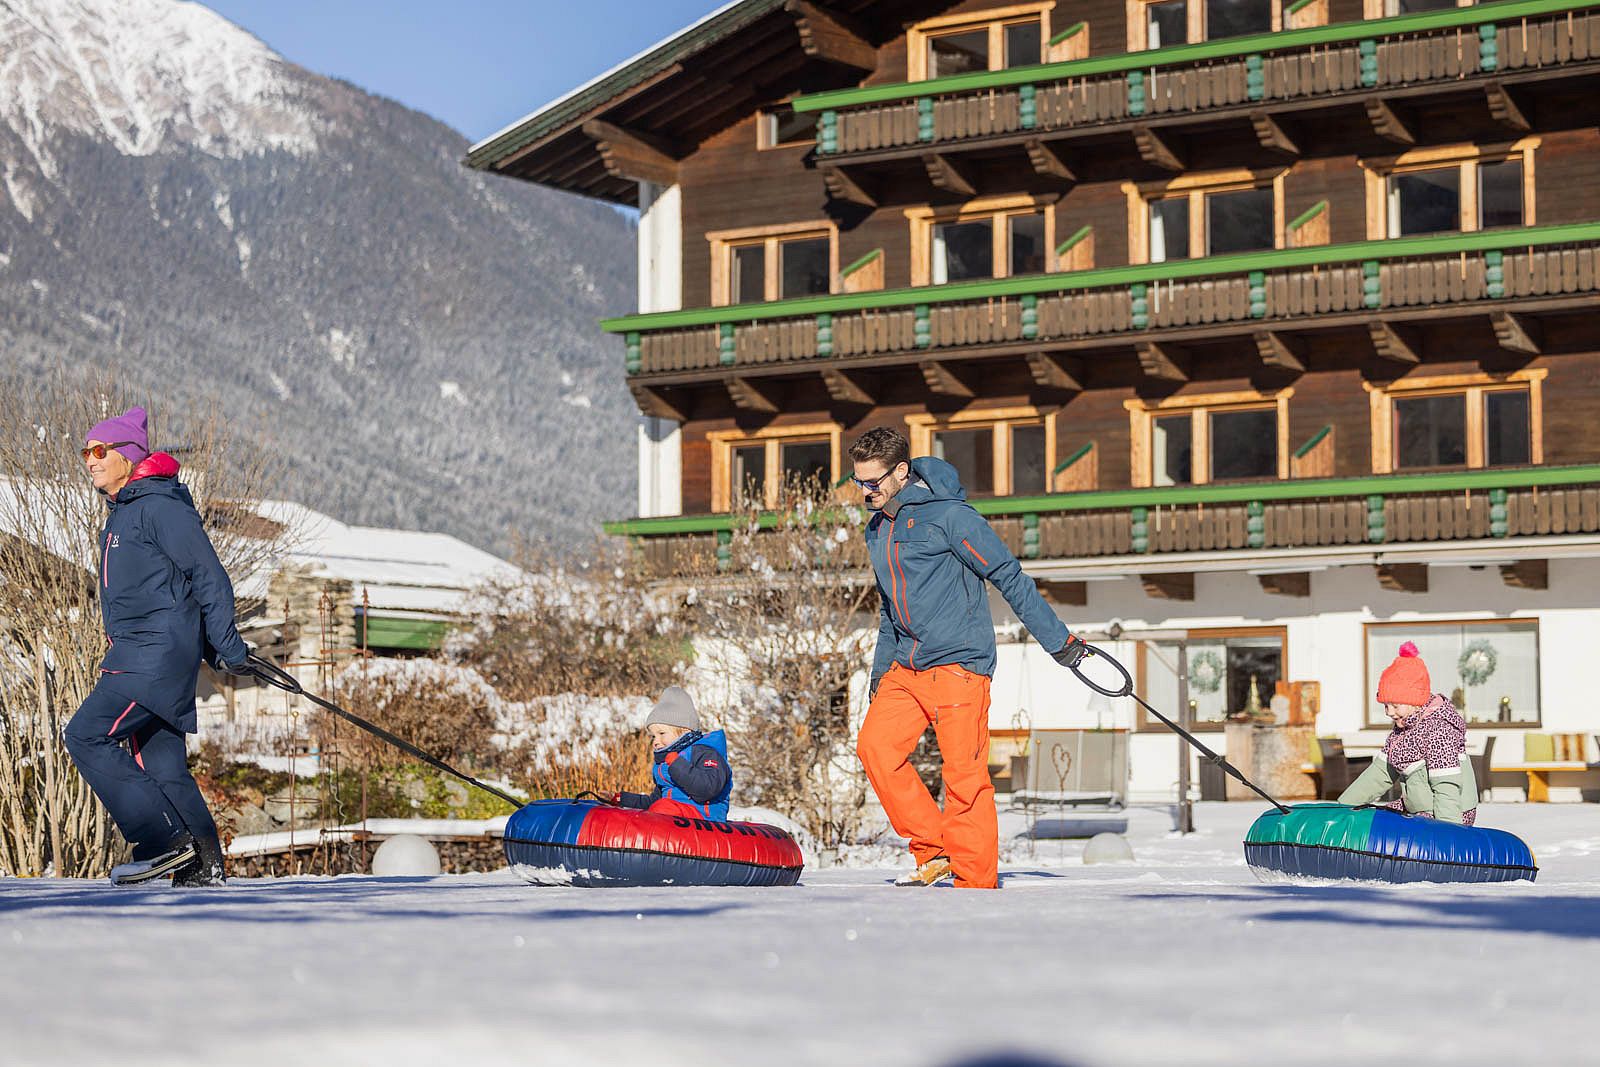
691 766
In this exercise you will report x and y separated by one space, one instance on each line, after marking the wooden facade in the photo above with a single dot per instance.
1340 311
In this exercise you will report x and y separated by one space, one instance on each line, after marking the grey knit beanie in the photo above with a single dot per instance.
675 708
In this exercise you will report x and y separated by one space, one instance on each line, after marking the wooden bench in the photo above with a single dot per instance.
1539 775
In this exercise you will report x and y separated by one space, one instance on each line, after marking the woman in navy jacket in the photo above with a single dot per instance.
166 604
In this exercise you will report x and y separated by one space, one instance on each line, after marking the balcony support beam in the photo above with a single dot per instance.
943 380
1272 135
1066 594
655 402
842 185
1517 333
945 173
1156 150
1279 352
1388 124
1504 109
1048 161
1394 343
831 37
749 396
1403 577
1292 583
631 155
847 388
1056 372
1162 361
1174 585
1526 574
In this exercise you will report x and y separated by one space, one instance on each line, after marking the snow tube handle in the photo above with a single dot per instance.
1126 689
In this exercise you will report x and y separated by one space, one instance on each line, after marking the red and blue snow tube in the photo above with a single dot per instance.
587 843
1332 841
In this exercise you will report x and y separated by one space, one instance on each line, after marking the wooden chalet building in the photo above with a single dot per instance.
1273 321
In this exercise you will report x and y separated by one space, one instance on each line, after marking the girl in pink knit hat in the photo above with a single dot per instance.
1426 751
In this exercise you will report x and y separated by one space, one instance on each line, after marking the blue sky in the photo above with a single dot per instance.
474 64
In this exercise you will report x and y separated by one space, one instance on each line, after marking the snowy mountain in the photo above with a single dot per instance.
416 340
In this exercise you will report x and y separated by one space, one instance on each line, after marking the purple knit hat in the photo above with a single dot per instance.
130 426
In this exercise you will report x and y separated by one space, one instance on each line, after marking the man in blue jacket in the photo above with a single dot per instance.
165 603
932 553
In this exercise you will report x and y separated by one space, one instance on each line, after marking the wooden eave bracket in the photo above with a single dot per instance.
1526 574
631 155
1292 583
846 387
1272 135
842 185
830 37
1178 585
1403 577
1279 352
1388 124
1056 372
1048 160
1504 109
1156 150
654 402
942 379
1066 594
748 396
945 173
1517 333
1162 361
1394 343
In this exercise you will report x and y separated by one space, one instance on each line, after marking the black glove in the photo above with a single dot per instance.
1071 654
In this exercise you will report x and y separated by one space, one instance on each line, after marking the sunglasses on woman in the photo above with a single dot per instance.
99 451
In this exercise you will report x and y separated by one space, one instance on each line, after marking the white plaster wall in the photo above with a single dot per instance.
1325 643
660 251
660 466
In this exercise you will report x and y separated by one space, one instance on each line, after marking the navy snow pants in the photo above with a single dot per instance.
145 784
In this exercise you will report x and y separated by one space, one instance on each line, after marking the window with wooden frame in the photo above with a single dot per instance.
1195 440
1004 452
1205 214
1450 188
1458 420
749 266
1224 664
997 39
1164 23
751 469
992 237
1489 668
784 127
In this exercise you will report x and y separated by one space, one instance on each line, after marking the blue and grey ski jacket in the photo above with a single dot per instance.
931 557
165 600
692 770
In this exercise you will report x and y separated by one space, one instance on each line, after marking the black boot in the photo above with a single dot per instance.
181 852
206 869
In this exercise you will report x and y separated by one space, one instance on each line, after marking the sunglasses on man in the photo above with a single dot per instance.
871 485
99 451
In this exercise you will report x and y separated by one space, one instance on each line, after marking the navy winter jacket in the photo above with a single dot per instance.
692 770
931 558
165 600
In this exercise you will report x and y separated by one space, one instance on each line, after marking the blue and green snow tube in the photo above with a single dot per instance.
1379 845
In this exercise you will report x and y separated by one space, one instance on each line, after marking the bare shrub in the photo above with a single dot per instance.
51 642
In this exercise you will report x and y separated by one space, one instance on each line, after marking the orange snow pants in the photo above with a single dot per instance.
956 702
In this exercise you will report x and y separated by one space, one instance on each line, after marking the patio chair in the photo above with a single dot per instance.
1338 769
1480 768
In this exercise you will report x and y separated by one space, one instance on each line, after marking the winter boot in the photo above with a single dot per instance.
933 872
206 869
139 871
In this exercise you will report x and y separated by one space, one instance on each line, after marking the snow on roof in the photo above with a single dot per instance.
398 570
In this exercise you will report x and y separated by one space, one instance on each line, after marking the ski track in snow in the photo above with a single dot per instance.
1179 958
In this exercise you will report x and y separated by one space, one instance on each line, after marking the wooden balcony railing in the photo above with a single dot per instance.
1252 290
1436 47
1378 510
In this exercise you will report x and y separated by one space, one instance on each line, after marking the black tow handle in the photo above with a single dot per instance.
276 676
1126 690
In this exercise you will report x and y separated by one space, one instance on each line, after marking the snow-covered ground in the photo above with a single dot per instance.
1180 958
